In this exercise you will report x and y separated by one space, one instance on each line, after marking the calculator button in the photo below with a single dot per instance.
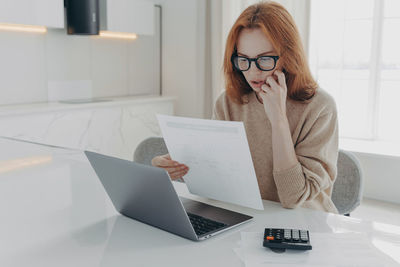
270 238
295 235
287 234
303 236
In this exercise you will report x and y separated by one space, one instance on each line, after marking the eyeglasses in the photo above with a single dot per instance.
264 63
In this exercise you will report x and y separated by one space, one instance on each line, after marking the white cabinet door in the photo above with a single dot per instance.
111 130
49 13
132 16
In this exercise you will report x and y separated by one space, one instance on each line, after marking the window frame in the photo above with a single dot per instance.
375 68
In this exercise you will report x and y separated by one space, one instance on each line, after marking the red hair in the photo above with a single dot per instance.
279 27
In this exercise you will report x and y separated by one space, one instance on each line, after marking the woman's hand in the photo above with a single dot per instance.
273 94
175 169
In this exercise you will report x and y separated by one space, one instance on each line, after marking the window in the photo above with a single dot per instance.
354 53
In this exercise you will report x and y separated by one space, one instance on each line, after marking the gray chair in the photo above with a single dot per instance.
348 187
347 190
148 149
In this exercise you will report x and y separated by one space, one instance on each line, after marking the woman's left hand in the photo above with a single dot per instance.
274 94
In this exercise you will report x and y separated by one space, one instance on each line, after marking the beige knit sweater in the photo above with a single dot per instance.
314 131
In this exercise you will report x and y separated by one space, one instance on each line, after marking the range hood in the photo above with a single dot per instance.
82 17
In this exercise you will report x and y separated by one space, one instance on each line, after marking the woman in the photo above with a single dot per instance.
291 124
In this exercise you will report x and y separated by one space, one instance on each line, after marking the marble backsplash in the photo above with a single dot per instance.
113 129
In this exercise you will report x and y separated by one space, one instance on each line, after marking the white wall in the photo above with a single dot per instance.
116 67
381 176
183 55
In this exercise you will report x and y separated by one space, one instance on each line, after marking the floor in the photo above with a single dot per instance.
376 210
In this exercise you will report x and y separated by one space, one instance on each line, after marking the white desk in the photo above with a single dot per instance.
55 212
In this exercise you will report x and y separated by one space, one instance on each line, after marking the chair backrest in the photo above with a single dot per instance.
148 149
347 189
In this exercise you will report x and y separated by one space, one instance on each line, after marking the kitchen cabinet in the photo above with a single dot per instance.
113 127
49 13
130 16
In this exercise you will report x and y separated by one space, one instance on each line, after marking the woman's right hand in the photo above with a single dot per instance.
175 169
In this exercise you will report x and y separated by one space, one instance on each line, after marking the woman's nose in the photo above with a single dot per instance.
253 67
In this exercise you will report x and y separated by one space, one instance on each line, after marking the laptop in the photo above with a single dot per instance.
146 193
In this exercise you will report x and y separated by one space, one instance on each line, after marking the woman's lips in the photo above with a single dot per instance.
257 84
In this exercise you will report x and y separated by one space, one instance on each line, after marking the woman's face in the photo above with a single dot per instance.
253 43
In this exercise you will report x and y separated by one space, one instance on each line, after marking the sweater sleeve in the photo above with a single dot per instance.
311 180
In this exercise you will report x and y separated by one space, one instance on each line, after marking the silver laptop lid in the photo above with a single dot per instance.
142 192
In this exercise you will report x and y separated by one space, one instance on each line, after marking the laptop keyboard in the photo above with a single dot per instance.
203 225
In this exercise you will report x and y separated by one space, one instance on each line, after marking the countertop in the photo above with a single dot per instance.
29 108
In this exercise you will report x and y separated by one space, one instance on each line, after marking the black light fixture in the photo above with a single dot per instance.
82 17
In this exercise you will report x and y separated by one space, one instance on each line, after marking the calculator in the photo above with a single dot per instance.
281 239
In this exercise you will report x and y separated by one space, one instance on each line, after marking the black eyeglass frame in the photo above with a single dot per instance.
275 58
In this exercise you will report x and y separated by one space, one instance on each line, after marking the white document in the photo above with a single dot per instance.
218 156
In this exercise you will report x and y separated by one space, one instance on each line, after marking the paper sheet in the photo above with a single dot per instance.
218 156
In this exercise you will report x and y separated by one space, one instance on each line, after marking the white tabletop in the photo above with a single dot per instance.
55 212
